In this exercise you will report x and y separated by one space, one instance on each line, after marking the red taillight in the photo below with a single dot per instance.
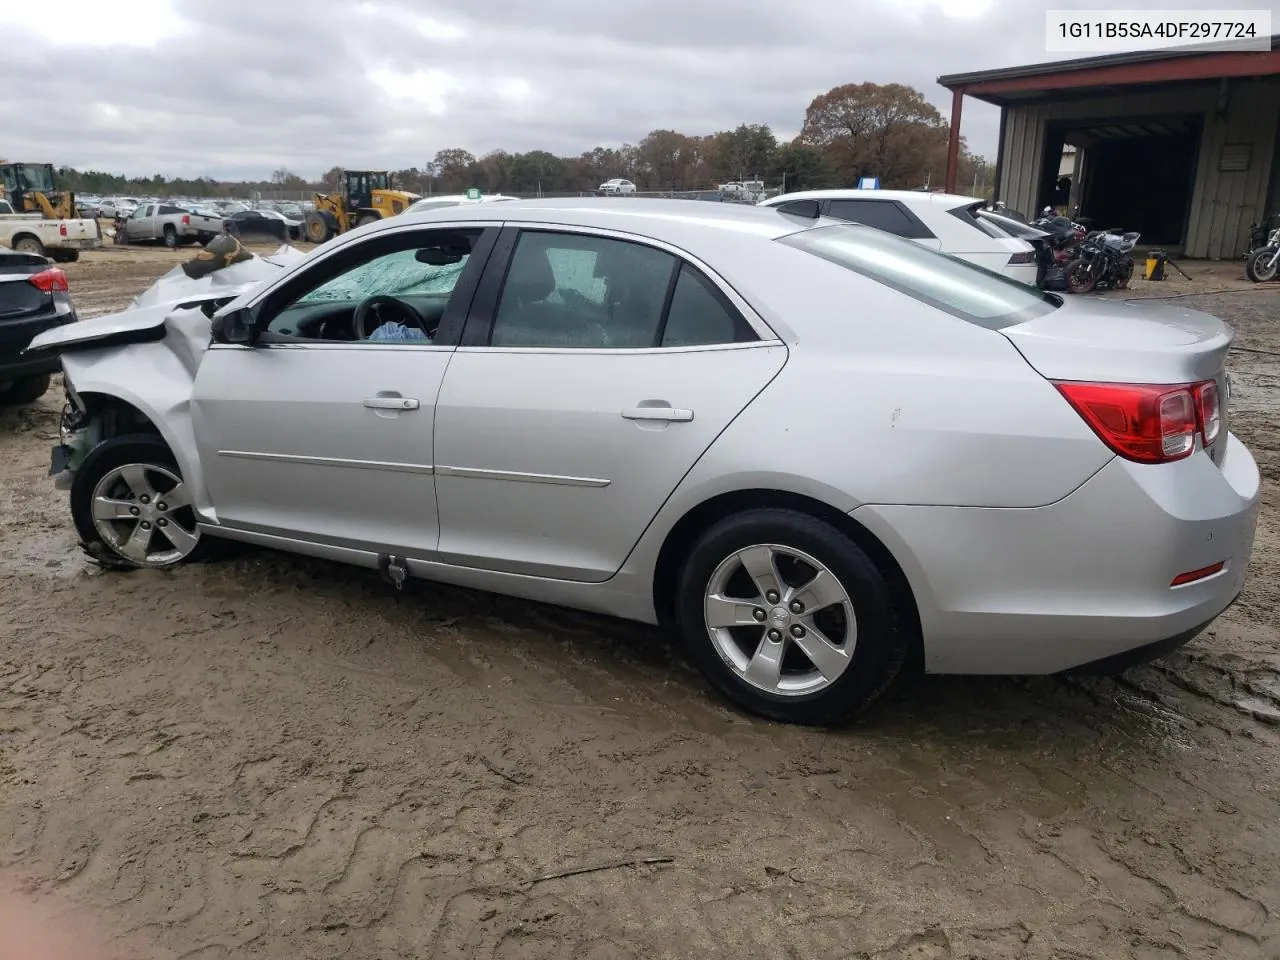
1148 423
1210 409
62 229
1191 576
186 219
52 280
1027 256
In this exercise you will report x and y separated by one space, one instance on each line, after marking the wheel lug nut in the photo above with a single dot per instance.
796 605
797 631
161 506
162 522
146 525
135 511
772 596
144 499
759 614
775 635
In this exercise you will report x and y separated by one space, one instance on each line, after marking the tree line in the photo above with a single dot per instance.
889 131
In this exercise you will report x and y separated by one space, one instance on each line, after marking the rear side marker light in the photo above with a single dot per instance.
1191 576
1028 256
52 280
1148 422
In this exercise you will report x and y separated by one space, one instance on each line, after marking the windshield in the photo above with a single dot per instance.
38 178
956 286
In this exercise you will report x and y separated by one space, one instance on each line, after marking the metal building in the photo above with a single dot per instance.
1183 145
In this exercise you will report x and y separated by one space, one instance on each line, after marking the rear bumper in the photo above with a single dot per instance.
1082 580
29 366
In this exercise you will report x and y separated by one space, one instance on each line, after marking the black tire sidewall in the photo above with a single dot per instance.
881 644
1078 266
1252 271
106 456
170 238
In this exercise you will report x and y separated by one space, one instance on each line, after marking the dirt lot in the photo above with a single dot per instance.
273 757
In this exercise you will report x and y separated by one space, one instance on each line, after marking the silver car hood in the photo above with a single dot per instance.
137 320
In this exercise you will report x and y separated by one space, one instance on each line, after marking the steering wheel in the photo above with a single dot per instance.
375 305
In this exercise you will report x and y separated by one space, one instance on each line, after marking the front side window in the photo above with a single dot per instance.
390 296
956 286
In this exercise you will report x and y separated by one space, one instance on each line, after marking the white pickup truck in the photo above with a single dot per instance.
61 240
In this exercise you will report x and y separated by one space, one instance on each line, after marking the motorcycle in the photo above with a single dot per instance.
1258 234
1102 260
1264 262
1062 240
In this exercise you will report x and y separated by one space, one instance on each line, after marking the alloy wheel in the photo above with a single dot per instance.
143 512
780 619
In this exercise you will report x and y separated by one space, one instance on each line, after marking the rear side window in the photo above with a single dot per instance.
953 285
887 215
165 210
699 316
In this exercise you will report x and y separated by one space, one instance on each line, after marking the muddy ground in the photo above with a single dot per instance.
274 757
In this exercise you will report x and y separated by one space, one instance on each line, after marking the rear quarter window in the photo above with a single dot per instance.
887 215
948 283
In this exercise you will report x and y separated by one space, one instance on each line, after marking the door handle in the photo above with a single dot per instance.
391 403
666 413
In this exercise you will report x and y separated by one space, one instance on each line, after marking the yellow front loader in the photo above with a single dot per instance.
367 195
29 188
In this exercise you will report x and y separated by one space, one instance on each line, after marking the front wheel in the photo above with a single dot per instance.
26 389
1080 278
131 506
789 618
1263 265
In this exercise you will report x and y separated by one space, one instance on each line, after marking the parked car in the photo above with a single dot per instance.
617 185
807 447
454 200
60 239
940 221
265 221
174 225
34 297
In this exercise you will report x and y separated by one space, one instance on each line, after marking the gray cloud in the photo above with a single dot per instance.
250 85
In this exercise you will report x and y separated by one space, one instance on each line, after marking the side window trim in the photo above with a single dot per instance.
484 306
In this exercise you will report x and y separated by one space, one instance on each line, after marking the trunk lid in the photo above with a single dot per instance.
19 298
1127 341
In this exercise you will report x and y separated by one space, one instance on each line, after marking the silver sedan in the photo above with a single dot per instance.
812 450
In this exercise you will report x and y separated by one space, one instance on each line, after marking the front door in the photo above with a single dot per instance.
323 431
593 383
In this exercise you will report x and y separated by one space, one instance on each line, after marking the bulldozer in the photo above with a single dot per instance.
29 188
367 195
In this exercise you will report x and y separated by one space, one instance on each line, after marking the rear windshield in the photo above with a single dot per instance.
953 285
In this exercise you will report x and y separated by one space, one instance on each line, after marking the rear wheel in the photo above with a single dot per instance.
366 219
1124 273
788 617
29 244
131 506
1079 278
317 228
65 256
26 389
1257 265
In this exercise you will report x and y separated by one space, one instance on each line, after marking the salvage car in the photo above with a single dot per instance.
813 450
34 297
946 222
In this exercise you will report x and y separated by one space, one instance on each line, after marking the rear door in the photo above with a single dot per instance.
593 373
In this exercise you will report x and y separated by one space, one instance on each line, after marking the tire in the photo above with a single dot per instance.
367 219
26 389
317 228
1255 267
796 692
100 469
1079 280
1124 273
170 237
66 256
30 244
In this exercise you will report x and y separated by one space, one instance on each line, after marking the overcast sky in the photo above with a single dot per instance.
237 88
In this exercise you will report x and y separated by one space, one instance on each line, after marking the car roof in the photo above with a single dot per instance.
660 219
910 197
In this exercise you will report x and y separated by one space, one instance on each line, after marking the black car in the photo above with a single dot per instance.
264 223
34 296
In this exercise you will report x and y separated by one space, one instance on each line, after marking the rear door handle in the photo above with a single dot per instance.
668 414
391 403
